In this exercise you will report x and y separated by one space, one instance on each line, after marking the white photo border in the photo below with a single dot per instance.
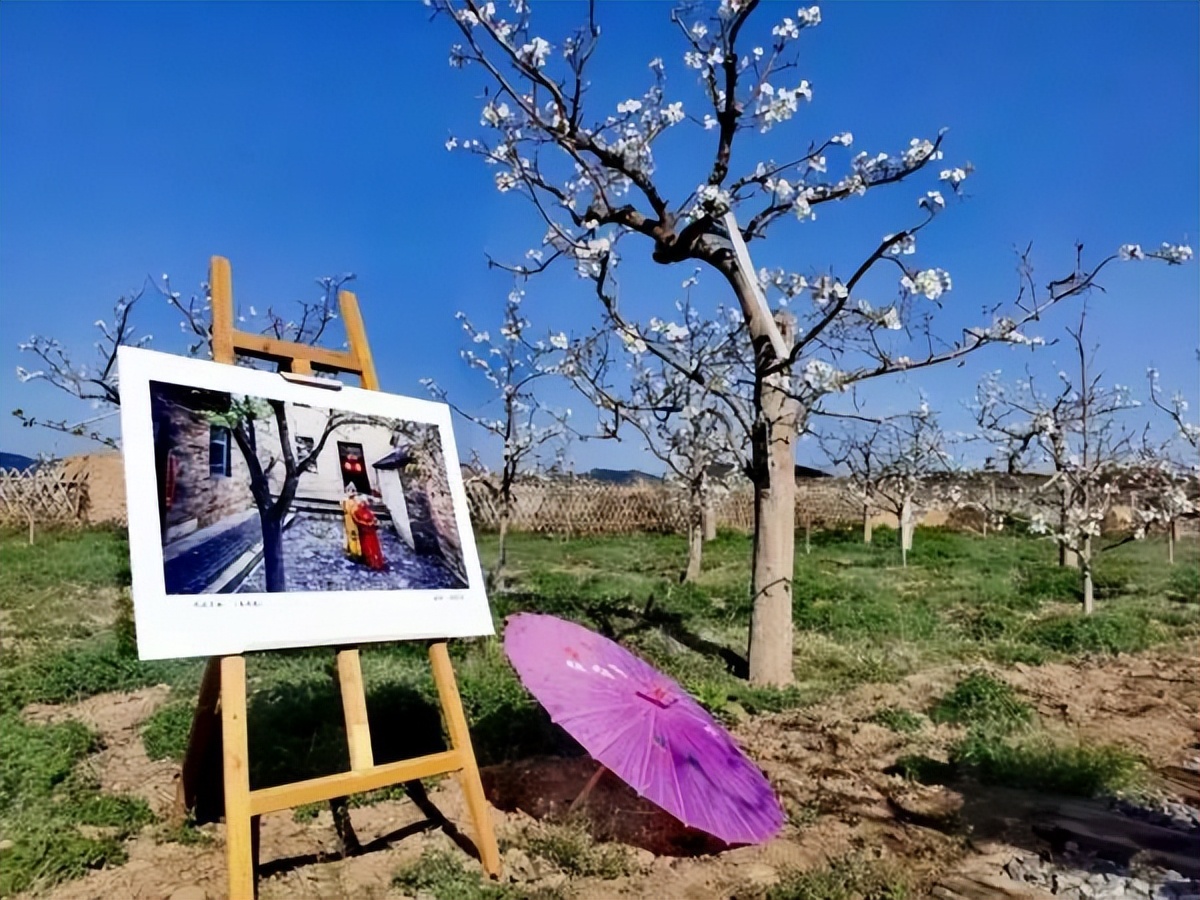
173 625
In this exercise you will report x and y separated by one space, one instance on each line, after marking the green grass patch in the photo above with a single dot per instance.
45 799
983 701
443 876
1038 764
902 721
165 733
1101 632
848 878
571 849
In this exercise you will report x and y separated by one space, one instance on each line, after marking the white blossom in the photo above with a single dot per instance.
932 201
1131 251
930 282
559 341
534 53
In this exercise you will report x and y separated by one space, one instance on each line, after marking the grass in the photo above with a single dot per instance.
59 823
848 878
570 848
66 635
902 721
443 876
984 702
1039 764
1002 746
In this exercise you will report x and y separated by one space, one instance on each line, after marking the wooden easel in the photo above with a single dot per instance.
220 719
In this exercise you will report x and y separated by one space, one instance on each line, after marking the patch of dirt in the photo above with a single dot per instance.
827 762
122 765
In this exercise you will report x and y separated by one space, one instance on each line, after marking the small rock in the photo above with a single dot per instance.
6 844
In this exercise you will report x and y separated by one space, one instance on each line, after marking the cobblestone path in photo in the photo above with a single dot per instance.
315 561
195 569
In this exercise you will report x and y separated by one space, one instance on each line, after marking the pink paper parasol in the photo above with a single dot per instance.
644 727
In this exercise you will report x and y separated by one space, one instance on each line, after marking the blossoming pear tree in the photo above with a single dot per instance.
1168 471
513 365
592 175
889 461
1078 432
697 427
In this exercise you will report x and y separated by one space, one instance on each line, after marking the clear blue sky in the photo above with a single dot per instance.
307 139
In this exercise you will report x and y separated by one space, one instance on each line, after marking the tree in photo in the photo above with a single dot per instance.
263 457
96 383
526 428
696 427
594 179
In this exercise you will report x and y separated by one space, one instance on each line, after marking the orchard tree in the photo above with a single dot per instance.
592 175
1167 470
889 461
691 425
513 365
1078 432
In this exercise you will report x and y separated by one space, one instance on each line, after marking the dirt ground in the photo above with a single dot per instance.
827 763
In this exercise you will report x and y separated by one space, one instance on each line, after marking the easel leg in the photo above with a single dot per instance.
358 740
460 740
239 829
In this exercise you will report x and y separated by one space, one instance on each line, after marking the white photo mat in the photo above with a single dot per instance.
213 624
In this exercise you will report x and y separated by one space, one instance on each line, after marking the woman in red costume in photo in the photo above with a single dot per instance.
368 533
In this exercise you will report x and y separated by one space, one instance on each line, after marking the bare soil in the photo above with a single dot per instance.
827 762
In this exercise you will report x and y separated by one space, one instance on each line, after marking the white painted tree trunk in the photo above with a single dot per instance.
1084 561
774 471
710 520
695 551
866 523
1172 537
906 530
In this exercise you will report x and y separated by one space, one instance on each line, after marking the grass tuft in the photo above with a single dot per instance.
848 878
571 848
902 721
443 876
983 701
1079 769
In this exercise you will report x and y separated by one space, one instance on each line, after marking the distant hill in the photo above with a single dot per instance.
16 461
622 476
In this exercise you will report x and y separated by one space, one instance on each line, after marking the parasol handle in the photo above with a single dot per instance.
587 788
657 698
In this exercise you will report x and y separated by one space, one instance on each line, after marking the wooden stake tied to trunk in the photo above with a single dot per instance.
218 739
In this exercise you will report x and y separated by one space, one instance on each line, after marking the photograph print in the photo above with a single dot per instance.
282 490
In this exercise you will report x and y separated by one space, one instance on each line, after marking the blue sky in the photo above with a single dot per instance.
301 140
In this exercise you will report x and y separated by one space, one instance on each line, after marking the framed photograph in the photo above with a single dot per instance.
268 513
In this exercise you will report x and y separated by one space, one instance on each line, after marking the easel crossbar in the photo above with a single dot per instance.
287 796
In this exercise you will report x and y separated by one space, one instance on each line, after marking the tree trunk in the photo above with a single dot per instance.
906 530
1172 536
807 535
774 474
501 549
1084 561
695 550
710 520
273 568
866 523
